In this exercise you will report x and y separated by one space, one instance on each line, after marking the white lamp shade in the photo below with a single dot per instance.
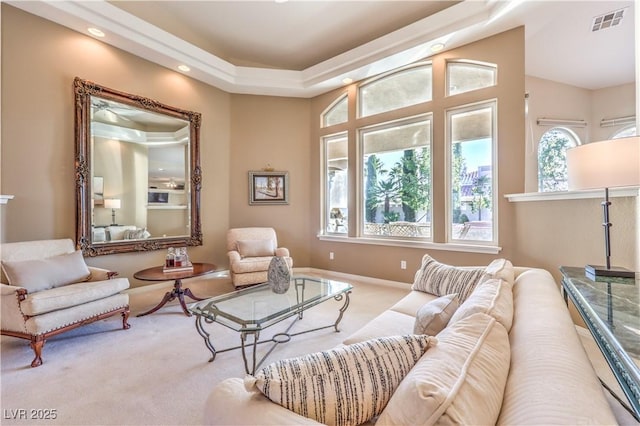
606 164
112 203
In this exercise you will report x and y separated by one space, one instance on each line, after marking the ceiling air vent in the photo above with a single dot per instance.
608 20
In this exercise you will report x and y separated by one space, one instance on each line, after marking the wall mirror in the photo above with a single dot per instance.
138 176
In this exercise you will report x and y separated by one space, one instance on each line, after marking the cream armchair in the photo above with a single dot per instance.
46 289
250 251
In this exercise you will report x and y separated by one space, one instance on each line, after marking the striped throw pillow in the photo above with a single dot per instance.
348 385
440 279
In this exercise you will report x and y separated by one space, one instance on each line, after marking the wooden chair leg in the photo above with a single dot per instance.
37 344
125 318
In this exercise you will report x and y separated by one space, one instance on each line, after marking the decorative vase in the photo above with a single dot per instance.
278 275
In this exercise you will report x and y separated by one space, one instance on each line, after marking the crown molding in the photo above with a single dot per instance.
401 47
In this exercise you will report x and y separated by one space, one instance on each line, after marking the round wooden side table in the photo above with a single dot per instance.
158 274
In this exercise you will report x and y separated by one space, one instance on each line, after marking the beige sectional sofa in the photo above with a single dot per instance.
512 357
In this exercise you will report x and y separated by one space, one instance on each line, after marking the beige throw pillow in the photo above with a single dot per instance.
493 297
42 274
434 316
441 279
460 380
500 268
343 386
256 248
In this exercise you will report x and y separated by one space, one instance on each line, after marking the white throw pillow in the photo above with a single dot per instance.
256 248
500 268
42 274
434 316
343 386
460 380
441 279
493 297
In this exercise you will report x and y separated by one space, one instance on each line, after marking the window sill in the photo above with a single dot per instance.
4 199
572 195
460 247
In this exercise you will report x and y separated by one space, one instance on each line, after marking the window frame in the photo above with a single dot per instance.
324 194
493 105
573 137
360 189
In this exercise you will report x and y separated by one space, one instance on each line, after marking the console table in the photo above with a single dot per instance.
610 307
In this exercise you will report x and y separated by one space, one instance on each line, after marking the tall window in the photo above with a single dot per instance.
336 184
471 178
406 87
552 159
396 175
393 181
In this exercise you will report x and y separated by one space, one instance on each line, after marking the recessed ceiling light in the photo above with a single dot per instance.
96 32
347 80
281 1
437 47
184 68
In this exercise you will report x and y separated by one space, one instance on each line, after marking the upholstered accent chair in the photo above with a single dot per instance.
250 251
46 289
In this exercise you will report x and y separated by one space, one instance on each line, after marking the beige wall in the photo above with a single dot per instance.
272 132
39 62
242 133
550 99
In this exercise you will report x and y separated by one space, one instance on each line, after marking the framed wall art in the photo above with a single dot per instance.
268 187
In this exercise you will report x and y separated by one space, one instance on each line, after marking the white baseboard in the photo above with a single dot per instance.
351 277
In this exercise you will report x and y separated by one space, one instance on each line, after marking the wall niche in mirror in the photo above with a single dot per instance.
138 176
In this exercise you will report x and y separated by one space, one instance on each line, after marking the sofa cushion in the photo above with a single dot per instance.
413 301
251 264
42 274
61 318
136 234
388 323
116 232
493 297
460 380
440 279
256 248
433 316
343 386
71 295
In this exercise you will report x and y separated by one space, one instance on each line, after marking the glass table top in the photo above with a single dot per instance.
615 301
257 307
610 307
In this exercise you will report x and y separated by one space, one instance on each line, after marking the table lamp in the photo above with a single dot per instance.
607 164
113 204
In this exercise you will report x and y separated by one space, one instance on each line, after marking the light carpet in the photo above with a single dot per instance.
157 372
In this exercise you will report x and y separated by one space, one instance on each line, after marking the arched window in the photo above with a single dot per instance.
465 76
625 132
336 113
408 86
552 159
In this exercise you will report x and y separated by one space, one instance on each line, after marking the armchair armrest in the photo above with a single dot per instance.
99 274
282 251
12 317
234 256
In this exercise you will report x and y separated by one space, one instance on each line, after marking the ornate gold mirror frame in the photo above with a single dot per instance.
86 91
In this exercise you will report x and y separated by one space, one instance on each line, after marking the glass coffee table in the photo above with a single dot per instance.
253 309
